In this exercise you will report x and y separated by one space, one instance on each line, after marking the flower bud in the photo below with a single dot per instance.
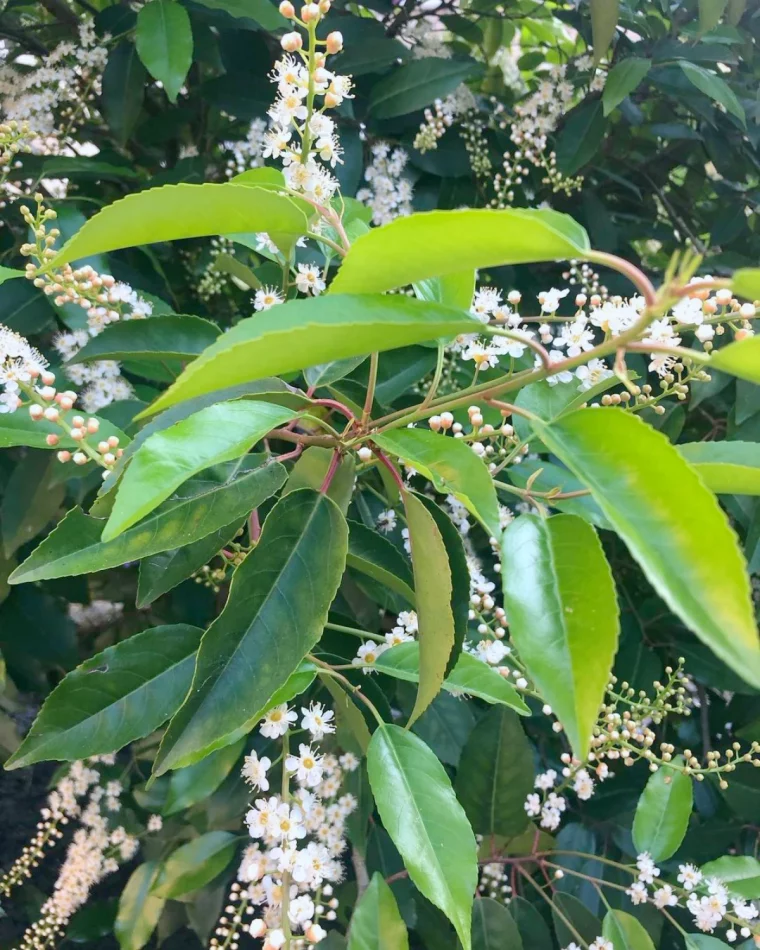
64 456
365 453
113 441
324 6
447 420
36 412
514 296
47 377
310 12
291 42
723 296
52 439
435 423
93 425
747 310
740 335
47 393
80 458
109 458
331 100
334 42
257 928
287 9
51 414
64 402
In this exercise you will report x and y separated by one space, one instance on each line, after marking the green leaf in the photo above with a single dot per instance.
376 923
495 774
375 556
568 909
197 782
193 865
31 498
10 273
312 467
275 614
451 466
493 927
17 428
563 616
123 92
439 243
740 874
703 942
581 136
727 468
433 588
622 79
604 18
175 212
115 697
625 932
417 84
547 476
139 909
426 823
710 14
158 338
327 373
741 359
745 282
349 716
453 290
714 88
169 458
470 676
260 11
75 546
308 332
604 449
663 812
164 42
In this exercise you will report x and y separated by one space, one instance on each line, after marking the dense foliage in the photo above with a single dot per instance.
379 532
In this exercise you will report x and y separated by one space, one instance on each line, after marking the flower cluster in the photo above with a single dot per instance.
285 881
388 192
442 116
20 366
248 152
406 629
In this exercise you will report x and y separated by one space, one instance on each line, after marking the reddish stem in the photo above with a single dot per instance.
254 525
334 463
383 458
334 404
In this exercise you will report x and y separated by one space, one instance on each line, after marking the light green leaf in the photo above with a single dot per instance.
75 546
703 942
470 676
604 18
115 697
275 614
563 616
727 468
433 587
622 80
164 43
741 359
376 923
714 88
439 243
261 11
740 874
372 554
303 333
417 84
158 338
139 909
663 812
745 282
194 864
10 273
625 932
451 466
710 14
195 783
169 458
604 449
493 927
495 774
426 823
175 212
453 290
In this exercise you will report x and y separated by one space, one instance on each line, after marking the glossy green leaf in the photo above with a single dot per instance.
710 14
548 476
534 930
17 428
625 932
376 923
195 783
741 359
714 88
453 290
10 273
604 18
622 80
572 920
30 500
75 546
175 212
703 942
157 338
604 449
169 458
164 43
303 333
115 697
663 812
261 11
372 554
139 909
563 616
124 81
496 774
727 468
740 874
745 282
194 864
426 823
311 469
470 676
275 613
417 84
451 466
439 243
327 373
433 587
493 927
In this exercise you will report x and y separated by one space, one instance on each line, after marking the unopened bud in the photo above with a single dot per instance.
52 439
93 425
435 423
331 100
80 458
747 310
64 456
365 453
47 393
257 928
47 377
113 441
334 42
291 42
287 9
51 414
310 12
447 420
36 412
723 296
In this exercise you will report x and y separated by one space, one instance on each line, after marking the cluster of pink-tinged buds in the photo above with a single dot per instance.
310 13
83 286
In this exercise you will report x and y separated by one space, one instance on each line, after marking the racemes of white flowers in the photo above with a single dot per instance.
20 365
388 191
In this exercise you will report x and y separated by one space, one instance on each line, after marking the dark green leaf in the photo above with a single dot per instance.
164 42
663 813
157 338
123 92
260 11
417 84
740 874
372 554
623 78
604 17
193 865
312 467
573 920
30 500
714 88
493 927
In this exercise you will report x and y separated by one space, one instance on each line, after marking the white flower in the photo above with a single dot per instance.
545 780
316 719
266 298
485 301
259 816
386 521
349 762
689 310
286 822
664 897
576 337
307 766
705 333
637 892
492 651
397 635
593 372
550 299
301 910
689 876
601 944
533 805
583 786
564 376
367 654
648 871
277 721
155 823
309 279
254 771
